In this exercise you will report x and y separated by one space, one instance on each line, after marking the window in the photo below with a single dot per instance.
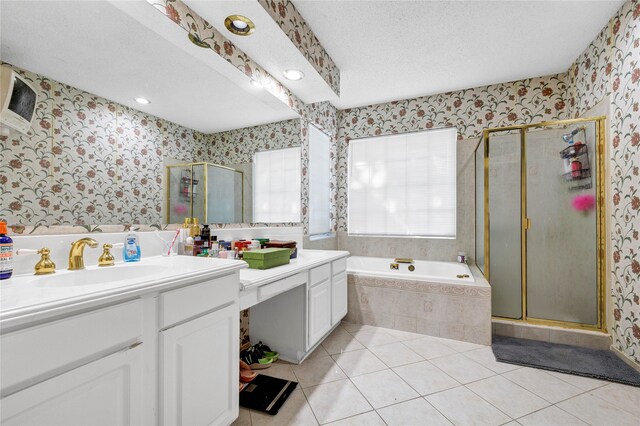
403 184
319 182
276 185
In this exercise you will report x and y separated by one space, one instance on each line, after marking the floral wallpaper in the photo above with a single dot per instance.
469 110
295 27
203 35
610 66
88 161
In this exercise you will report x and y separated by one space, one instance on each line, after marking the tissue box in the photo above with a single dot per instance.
266 258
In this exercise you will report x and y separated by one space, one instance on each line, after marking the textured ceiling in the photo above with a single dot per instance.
391 50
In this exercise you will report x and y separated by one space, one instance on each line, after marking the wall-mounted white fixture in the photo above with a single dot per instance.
292 74
143 101
255 83
239 25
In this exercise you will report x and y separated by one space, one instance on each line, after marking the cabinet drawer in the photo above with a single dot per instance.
37 353
280 286
187 302
319 274
339 265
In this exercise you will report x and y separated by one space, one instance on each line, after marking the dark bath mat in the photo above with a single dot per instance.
596 363
266 393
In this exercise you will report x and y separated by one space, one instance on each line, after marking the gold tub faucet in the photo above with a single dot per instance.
403 260
76 255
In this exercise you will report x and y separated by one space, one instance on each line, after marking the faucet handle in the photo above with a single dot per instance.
45 265
107 259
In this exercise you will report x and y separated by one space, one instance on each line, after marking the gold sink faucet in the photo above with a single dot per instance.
76 255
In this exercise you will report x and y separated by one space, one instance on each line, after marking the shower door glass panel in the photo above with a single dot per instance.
479 163
505 224
561 242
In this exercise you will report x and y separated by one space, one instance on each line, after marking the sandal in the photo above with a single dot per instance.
266 351
246 375
251 357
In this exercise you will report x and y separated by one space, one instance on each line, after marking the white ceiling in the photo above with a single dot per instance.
114 50
391 50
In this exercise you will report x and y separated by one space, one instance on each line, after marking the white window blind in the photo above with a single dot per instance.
403 184
276 185
319 182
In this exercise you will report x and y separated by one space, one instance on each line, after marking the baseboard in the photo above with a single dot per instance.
631 363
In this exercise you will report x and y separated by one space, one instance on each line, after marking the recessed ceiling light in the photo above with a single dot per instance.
293 74
143 101
255 83
239 25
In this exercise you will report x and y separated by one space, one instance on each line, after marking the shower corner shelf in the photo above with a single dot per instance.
573 151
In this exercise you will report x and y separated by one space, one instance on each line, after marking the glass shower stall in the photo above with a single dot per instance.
540 221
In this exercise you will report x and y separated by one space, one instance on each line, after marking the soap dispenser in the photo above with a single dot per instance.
131 251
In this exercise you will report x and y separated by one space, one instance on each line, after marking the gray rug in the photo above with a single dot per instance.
596 363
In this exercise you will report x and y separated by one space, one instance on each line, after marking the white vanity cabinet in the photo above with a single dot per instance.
294 313
199 364
166 355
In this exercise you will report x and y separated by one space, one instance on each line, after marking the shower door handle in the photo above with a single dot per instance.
526 223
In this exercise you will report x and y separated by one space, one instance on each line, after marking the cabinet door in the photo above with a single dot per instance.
199 370
104 392
319 311
338 297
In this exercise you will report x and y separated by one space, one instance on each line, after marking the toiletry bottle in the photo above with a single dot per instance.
188 247
131 251
576 168
206 236
6 253
195 228
214 249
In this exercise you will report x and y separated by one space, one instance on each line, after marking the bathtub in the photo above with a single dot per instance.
430 300
423 270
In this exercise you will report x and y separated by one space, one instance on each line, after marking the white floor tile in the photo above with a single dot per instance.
460 346
425 377
318 370
352 328
384 388
550 416
507 396
358 362
596 411
484 356
403 335
429 347
338 343
367 419
622 396
336 400
319 351
295 411
463 407
396 354
462 368
584 383
414 412
371 338
543 384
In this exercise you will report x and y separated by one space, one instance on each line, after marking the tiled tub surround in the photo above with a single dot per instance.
460 311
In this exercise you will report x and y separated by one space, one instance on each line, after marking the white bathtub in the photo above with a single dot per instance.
424 270
430 300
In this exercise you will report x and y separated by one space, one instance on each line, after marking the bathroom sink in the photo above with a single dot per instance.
100 275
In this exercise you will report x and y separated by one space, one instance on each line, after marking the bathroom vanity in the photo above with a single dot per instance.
295 306
154 342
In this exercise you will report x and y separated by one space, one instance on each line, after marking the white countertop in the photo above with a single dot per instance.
29 297
252 278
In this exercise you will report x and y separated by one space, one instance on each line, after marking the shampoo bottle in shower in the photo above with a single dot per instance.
6 253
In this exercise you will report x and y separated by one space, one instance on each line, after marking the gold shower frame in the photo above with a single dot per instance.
601 254
204 165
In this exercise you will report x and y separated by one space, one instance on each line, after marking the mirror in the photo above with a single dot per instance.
94 156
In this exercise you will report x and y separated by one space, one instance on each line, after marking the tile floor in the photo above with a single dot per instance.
364 375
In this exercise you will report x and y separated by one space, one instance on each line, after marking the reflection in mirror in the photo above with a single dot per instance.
209 192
